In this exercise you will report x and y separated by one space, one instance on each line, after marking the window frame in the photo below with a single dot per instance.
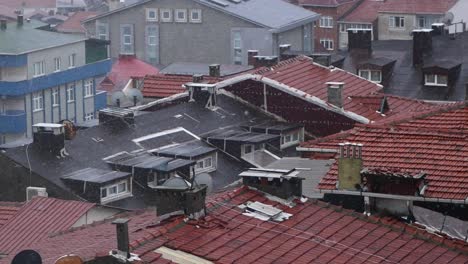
369 74
70 93
199 12
176 16
57 64
39 68
436 80
105 26
113 193
330 44
156 13
393 22
55 97
88 88
237 49
72 60
89 116
207 164
38 102
162 18
326 22
423 19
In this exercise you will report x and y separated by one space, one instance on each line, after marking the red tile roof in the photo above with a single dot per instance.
311 78
29 3
36 220
162 85
123 69
430 144
417 6
7 12
7 211
73 23
316 233
366 12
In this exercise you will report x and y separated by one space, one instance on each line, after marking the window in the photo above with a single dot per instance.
116 190
344 27
436 80
72 60
290 139
38 102
152 42
327 44
237 45
181 15
151 14
89 116
126 39
166 15
38 68
88 88
57 64
195 16
204 164
55 97
397 22
248 149
421 22
326 22
71 93
103 31
373 76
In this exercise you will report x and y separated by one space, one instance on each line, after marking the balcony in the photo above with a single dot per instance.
55 79
13 122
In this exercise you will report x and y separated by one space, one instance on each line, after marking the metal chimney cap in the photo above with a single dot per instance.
119 221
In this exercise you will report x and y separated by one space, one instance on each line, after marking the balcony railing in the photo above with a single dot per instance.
13 122
55 79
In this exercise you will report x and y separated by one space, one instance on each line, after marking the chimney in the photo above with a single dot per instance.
189 201
50 138
285 183
349 166
251 57
322 58
3 24
123 243
265 61
335 93
215 70
438 29
283 49
20 20
360 39
422 45
197 78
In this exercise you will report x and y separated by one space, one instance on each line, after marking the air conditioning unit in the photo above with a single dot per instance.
35 191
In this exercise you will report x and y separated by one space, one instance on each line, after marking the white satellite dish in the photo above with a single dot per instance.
134 95
448 18
118 98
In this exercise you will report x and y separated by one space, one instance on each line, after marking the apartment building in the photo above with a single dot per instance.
203 31
46 77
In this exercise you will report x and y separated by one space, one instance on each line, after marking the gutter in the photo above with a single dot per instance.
395 197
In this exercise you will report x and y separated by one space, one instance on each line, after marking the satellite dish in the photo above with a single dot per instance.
69 259
27 257
118 98
205 178
448 18
134 95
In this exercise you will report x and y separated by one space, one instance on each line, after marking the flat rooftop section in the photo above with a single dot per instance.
239 136
17 40
96 175
191 68
271 173
187 150
148 161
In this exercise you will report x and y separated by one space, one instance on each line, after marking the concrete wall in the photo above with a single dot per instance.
206 42
411 23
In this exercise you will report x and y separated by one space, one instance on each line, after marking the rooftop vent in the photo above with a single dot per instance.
335 93
215 70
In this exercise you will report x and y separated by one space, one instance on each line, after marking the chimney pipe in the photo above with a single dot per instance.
123 243
251 57
197 78
335 93
20 20
3 24
422 45
215 70
360 39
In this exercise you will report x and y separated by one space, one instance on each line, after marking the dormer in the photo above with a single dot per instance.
291 134
441 73
378 70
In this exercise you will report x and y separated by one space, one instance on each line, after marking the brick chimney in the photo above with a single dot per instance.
251 57
3 24
50 138
123 243
215 70
335 93
197 78
360 39
422 45
349 166
265 61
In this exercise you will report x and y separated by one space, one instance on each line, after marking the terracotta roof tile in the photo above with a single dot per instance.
7 211
73 23
36 220
316 233
417 6
434 143
162 85
366 12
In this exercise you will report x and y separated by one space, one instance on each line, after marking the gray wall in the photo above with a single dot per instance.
411 23
206 42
